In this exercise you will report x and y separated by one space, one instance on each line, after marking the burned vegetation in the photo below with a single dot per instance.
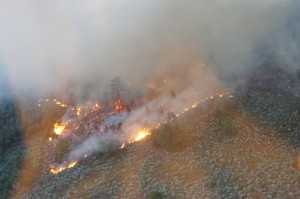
107 125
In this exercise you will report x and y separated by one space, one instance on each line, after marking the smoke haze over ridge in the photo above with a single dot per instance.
51 47
46 46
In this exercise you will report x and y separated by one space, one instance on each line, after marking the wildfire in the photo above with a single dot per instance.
91 109
78 111
58 129
53 100
142 134
61 168
118 105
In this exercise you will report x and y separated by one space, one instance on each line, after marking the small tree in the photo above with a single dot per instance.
219 113
154 195
228 127
169 137
118 92
62 148
118 88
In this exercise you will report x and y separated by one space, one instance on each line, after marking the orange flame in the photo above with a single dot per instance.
122 146
58 129
118 105
78 111
61 168
142 134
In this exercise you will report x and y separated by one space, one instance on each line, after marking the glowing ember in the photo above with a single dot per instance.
142 134
122 146
50 139
58 129
61 168
118 105
53 100
78 111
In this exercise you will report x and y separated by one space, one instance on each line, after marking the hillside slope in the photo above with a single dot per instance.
242 147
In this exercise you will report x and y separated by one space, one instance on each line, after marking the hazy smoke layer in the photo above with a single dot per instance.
145 117
95 143
50 45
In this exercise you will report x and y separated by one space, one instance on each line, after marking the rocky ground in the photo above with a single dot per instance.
256 159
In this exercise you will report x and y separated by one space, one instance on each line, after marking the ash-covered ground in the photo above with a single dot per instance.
242 147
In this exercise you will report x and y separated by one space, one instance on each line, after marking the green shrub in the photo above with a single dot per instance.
10 162
169 137
62 148
154 195
228 127
219 113
15 160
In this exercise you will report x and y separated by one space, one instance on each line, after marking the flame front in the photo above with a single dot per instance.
142 134
58 129
61 168
139 135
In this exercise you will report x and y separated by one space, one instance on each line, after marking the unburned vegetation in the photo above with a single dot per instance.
170 136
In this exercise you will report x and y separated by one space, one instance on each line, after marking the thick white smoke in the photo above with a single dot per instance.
80 45
50 45
144 117
95 143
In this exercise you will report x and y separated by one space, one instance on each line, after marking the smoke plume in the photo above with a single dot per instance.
81 45
77 47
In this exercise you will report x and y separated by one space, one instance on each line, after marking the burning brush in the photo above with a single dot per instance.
94 127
